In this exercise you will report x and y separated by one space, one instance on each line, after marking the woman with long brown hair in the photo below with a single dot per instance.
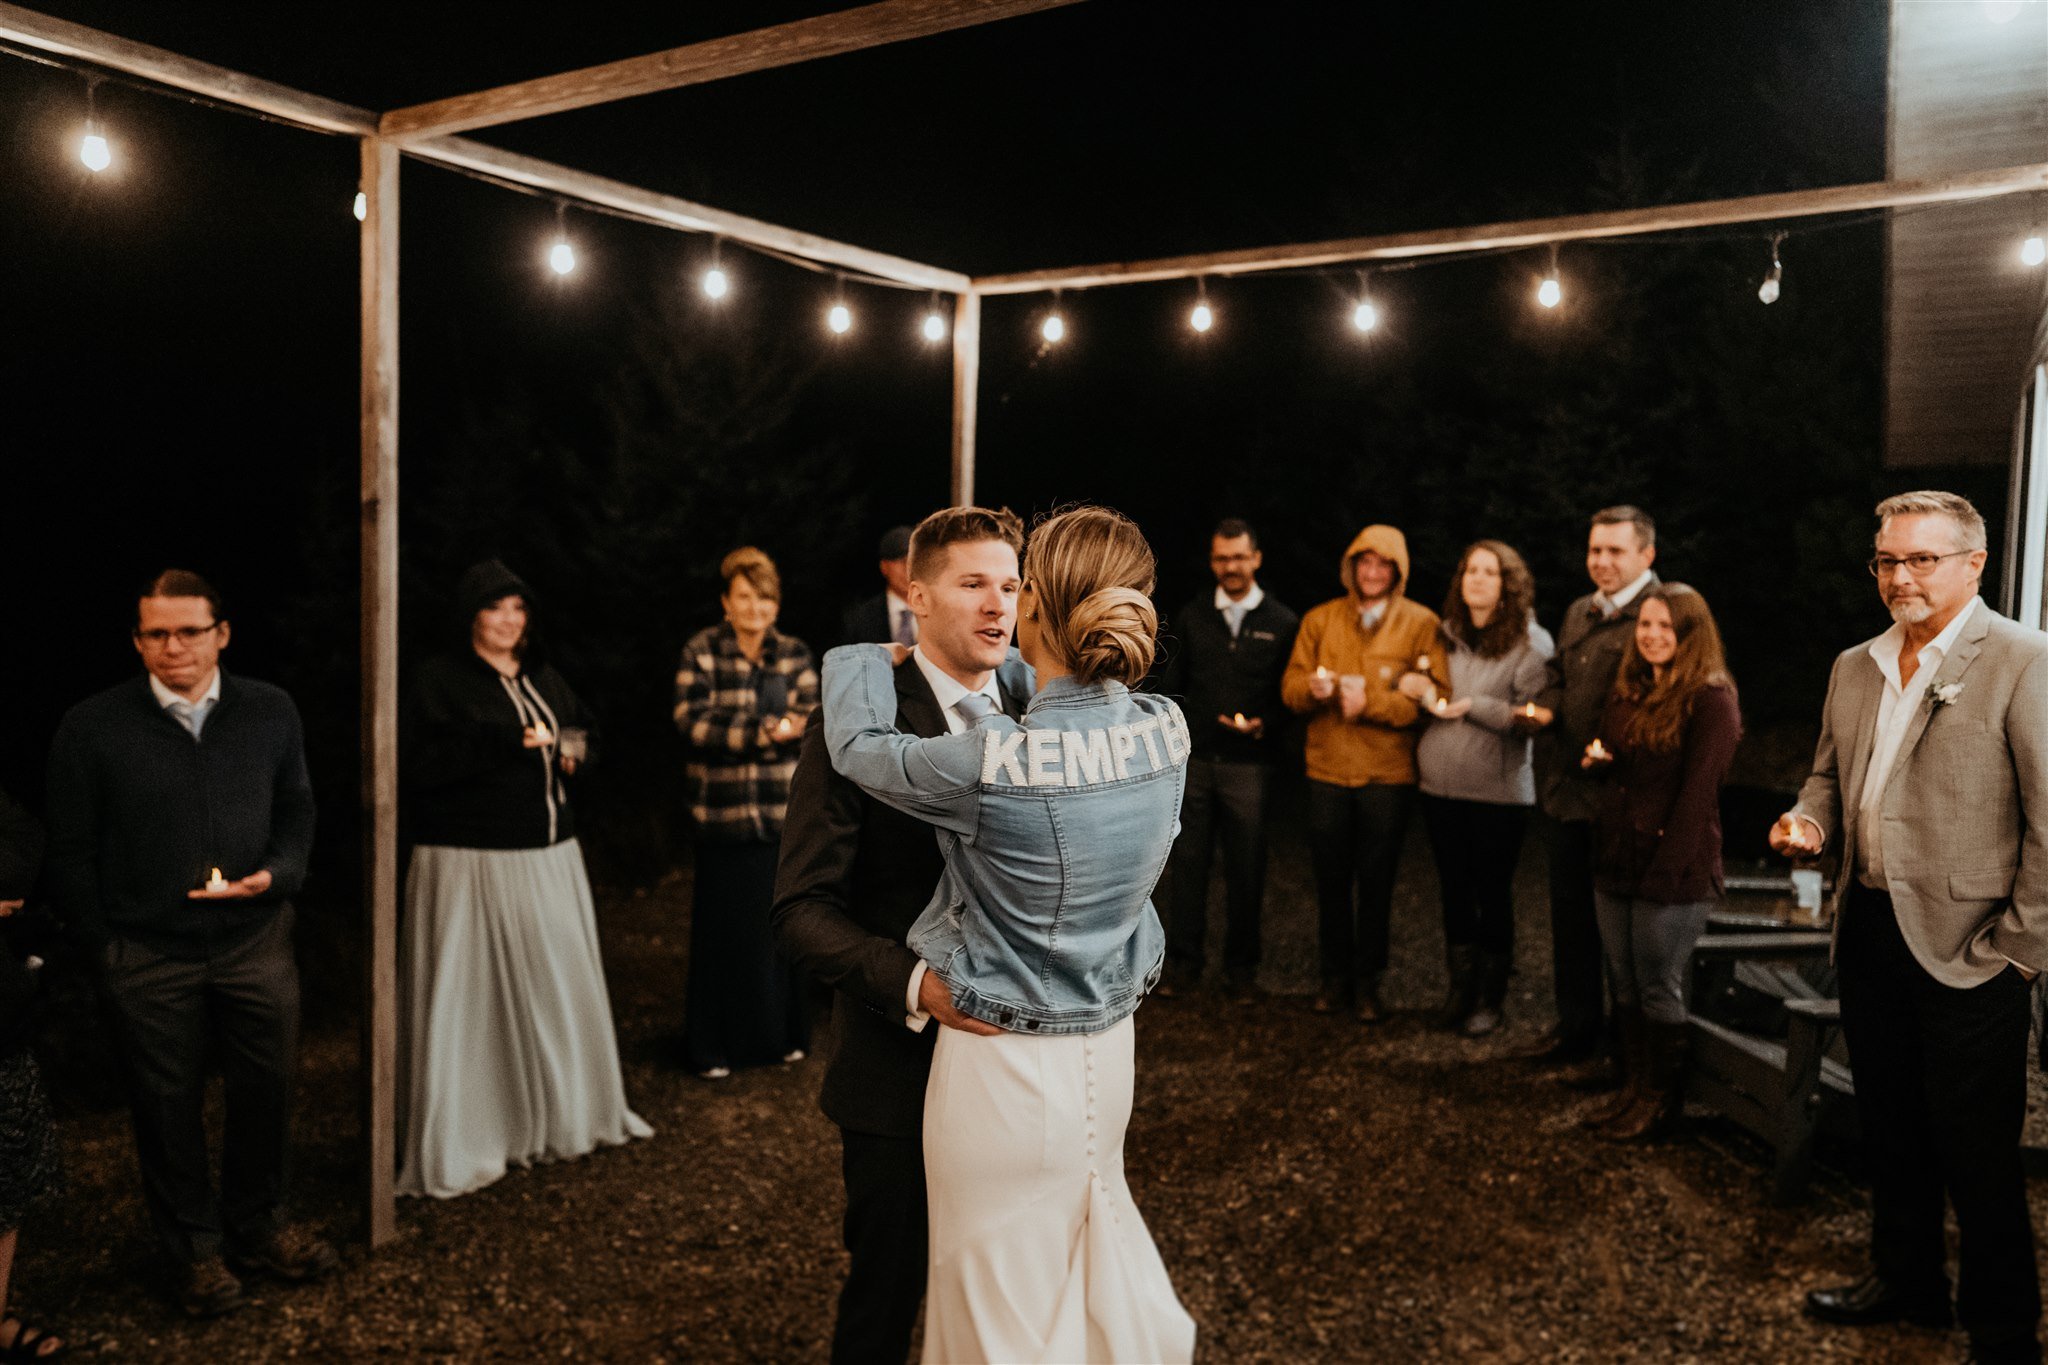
1474 767
1665 744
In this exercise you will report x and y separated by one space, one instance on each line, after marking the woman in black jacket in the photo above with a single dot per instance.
510 1054
28 1137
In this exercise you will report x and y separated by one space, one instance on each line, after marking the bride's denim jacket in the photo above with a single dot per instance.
1055 831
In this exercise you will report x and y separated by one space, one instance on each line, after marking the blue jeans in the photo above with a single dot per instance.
1648 948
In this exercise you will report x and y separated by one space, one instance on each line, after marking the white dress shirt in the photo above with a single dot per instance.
1236 609
1611 606
1895 709
948 690
898 609
197 709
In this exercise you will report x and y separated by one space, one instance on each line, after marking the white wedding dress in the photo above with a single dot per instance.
1037 1253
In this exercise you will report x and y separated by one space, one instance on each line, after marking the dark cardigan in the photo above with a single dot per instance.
1657 833
470 781
140 812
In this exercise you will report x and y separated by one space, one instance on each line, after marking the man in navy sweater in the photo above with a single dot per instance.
181 817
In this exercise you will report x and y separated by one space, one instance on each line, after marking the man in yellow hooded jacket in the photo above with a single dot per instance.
1348 657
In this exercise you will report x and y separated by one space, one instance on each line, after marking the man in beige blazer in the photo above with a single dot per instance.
1931 783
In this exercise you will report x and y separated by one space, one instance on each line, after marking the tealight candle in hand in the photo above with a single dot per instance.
1322 673
1530 710
1442 704
216 882
1238 721
1597 751
543 735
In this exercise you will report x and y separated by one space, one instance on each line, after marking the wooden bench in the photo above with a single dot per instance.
1784 1092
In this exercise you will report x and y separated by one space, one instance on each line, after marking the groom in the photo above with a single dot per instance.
854 876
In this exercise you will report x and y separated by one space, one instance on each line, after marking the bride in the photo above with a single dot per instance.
1054 831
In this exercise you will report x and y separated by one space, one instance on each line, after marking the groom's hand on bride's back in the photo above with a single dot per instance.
937 1001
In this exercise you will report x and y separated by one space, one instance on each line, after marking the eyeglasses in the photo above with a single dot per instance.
184 635
1884 566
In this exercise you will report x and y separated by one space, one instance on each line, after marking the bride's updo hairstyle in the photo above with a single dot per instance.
1093 572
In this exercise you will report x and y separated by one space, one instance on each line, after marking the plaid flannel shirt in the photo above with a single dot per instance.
739 784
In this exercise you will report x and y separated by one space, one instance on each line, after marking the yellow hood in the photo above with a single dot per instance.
1385 541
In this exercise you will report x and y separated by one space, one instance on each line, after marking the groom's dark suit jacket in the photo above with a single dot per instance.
854 876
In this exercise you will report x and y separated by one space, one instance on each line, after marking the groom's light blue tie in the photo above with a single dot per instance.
192 717
973 707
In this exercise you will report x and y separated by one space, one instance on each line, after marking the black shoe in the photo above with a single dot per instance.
208 1289
1870 1301
291 1253
1555 1048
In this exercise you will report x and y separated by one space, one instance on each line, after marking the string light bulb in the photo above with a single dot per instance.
716 283
1365 316
1767 292
840 319
2034 250
1550 293
934 326
1054 328
93 152
561 256
1203 317
362 207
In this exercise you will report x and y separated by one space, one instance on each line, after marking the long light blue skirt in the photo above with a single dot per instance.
508 1055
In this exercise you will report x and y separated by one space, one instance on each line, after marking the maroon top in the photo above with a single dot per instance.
1657 833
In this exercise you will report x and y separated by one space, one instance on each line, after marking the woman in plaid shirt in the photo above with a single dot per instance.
744 694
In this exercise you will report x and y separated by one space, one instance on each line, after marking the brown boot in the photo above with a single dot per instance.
1657 1111
1635 1067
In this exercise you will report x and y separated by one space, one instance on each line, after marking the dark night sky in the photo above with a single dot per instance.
178 361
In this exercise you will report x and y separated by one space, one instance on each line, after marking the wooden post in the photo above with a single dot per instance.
380 685
966 383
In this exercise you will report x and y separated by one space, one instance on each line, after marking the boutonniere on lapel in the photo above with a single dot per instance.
1943 695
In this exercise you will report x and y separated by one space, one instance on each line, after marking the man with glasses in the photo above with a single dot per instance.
181 818
1930 784
1225 654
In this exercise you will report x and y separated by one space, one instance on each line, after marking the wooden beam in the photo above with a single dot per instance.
966 393
1758 208
380 685
27 28
669 211
827 35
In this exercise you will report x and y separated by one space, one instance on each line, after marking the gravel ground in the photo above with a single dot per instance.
1319 1191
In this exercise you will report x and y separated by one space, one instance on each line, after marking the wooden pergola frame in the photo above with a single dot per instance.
429 132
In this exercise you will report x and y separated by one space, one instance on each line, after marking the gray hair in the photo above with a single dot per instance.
1933 502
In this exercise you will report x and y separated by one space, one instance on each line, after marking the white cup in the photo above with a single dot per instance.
1806 889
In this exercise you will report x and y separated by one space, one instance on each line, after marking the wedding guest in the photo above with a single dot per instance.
509 1055
1343 675
181 818
1621 545
29 1169
1929 784
888 617
1477 779
1225 658
1666 740
744 695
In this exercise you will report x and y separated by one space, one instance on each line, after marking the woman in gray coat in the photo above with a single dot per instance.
1474 766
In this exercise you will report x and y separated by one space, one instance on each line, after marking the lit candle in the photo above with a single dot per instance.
1530 710
1238 720
1442 704
1322 673
1597 751
216 882
782 727
542 734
